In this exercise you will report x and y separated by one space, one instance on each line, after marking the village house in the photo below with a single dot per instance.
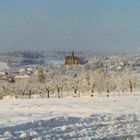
69 60
22 77
26 71
3 73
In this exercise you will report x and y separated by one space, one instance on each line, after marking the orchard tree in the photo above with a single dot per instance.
39 75
126 81
59 85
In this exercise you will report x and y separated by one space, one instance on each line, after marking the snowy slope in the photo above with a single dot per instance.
71 118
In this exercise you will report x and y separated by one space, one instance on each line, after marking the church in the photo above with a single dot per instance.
70 60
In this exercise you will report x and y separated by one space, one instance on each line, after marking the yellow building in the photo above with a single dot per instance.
69 60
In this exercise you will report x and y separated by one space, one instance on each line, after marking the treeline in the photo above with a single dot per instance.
74 81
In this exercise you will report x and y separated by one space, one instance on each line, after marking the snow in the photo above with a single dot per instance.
9 97
71 118
4 66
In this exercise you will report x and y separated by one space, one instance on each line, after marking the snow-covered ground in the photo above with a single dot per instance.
4 66
84 118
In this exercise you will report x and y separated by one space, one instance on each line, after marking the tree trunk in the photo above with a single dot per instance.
92 91
30 93
48 94
58 91
130 86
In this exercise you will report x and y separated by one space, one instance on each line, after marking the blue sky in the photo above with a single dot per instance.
98 25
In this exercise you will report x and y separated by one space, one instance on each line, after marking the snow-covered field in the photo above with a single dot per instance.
86 118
